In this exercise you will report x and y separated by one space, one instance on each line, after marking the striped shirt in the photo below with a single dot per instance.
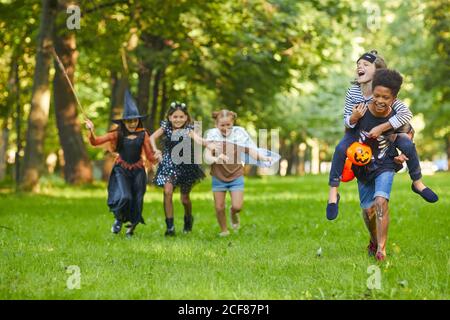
355 96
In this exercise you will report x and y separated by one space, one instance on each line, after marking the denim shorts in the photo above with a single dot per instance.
234 185
381 186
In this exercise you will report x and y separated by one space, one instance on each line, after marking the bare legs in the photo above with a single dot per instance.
237 199
382 222
219 201
377 223
168 204
371 224
332 195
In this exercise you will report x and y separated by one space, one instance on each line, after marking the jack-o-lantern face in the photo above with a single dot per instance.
359 154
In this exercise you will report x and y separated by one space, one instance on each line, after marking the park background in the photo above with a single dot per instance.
279 64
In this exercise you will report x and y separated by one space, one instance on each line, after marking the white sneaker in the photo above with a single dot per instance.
224 233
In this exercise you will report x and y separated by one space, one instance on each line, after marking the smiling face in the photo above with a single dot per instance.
225 124
131 124
364 71
178 119
382 99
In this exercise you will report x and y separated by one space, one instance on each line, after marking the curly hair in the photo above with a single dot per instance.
388 78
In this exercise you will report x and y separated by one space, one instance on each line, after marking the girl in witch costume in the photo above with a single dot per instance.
128 179
175 168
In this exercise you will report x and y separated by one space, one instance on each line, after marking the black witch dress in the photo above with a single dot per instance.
183 175
128 179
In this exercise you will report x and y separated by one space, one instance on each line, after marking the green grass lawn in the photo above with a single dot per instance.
273 256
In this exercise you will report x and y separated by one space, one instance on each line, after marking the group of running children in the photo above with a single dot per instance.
372 115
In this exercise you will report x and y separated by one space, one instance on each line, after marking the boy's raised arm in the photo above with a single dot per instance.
403 116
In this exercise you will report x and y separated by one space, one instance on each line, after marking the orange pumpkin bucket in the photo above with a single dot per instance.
359 154
347 173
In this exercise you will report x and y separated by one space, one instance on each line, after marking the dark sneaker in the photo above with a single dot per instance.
333 209
116 227
426 193
170 232
380 256
130 230
188 223
371 249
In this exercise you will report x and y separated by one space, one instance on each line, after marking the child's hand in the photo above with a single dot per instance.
375 132
400 159
358 111
267 159
222 158
89 125
158 155
214 145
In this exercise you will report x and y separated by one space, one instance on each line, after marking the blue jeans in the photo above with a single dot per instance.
339 156
407 146
381 186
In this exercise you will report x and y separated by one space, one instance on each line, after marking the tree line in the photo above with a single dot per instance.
278 64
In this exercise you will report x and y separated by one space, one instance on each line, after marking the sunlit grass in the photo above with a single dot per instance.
273 256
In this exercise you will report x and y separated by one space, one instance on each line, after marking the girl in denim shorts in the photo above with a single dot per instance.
227 168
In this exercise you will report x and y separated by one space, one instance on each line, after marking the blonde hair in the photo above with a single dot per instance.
224 113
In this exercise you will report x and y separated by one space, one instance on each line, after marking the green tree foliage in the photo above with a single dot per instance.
279 64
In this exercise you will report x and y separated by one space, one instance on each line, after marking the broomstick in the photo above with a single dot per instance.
61 66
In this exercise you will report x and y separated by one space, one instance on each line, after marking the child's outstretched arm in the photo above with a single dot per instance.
148 150
197 139
256 155
210 158
156 135
95 141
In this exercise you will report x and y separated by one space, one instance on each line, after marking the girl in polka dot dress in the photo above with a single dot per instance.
177 167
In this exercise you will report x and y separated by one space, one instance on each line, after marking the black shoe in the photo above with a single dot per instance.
116 227
170 232
333 209
130 230
188 223
426 193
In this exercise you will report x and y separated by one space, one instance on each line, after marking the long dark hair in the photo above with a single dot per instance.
123 132
174 106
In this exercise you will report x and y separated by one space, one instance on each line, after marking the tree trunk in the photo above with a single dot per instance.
163 109
292 159
143 97
13 82
4 136
118 86
77 168
301 159
18 127
40 101
448 152
154 100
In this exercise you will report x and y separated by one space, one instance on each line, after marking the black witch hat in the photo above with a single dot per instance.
130 110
